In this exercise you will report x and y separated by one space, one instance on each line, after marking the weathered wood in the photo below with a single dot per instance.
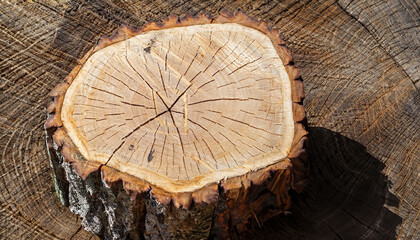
359 60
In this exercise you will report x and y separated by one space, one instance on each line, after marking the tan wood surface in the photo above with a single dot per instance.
183 107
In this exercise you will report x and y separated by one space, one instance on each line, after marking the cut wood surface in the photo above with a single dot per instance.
183 107
360 64
204 113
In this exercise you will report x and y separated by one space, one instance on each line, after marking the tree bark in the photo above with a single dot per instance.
360 67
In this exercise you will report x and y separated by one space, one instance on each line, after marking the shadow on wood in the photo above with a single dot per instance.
347 198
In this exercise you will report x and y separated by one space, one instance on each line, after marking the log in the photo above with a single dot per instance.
198 119
359 61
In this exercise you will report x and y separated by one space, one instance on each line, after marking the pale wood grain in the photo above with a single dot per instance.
183 107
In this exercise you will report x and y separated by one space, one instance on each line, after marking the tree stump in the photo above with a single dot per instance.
197 120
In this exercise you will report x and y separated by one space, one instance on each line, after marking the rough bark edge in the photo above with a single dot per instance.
296 160
240 210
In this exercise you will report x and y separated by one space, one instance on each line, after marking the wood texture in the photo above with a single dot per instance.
359 60
226 154
243 126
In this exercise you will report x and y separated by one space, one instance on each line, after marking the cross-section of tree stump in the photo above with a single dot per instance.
197 120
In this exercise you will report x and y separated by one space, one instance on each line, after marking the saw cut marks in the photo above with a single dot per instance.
183 107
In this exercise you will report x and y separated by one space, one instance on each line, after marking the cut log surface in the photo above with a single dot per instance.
204 113
183 107
360 64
